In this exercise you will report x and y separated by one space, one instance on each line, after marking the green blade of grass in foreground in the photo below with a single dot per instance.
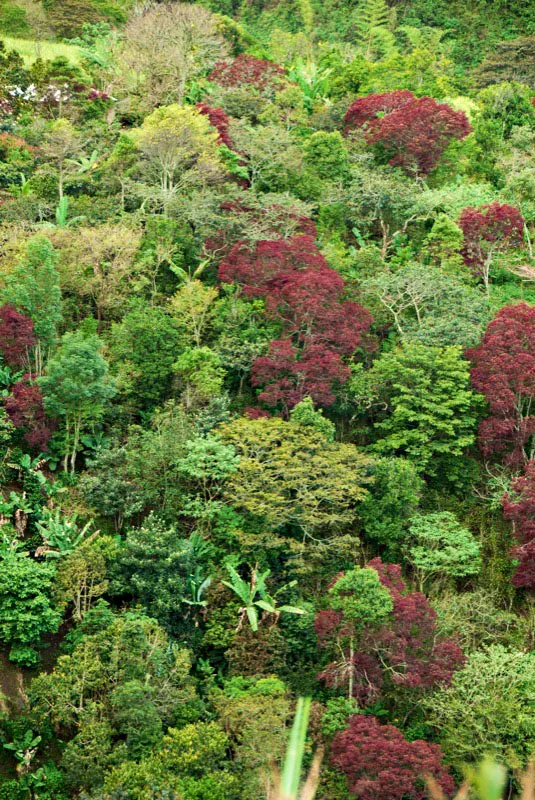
291 772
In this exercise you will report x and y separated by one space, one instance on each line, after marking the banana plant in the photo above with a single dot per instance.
197 586
24 749
313 82
254 596
85 163
62 212
61 536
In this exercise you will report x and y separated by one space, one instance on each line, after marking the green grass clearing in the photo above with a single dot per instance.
30 51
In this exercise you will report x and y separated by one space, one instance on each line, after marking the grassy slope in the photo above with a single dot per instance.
30 51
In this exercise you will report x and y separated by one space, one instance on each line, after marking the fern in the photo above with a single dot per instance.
373 22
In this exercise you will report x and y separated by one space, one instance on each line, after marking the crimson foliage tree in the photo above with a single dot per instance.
289 374
519 506
412 132
306 297
379 762
489 230
16 336
504 372
406 651
218 120
26 411
248 71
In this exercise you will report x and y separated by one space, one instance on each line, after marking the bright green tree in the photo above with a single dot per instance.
364 603
200 372
488 709
431 409
34 289
440 548
26 607
77 387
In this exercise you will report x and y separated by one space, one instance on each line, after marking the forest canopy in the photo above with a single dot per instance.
267 397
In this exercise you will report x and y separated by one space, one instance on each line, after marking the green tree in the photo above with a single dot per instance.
488 709
179 150
431 409
34 288
77 387
326 154
254 713
290 474
363 603
439 547
82 576
62 146
200 372
372 19
142 353
27 610
108 651
161 569
192 307
430 307
306 415
391 502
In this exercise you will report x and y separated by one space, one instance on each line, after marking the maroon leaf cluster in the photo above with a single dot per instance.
306 297
289 374
16 336
488 230
218 120
247 71
26 411
519 506
406 651
380 763
412 131
504 372
367 110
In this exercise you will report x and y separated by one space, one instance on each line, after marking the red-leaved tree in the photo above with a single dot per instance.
218 120
367 110
306 297
504 372
491 229
288 375
26 411
406 651
379 762
412 132
519 506
16 336
247 71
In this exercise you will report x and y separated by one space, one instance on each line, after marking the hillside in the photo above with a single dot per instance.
267 413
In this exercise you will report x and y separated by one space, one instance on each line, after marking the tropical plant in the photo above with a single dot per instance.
254 596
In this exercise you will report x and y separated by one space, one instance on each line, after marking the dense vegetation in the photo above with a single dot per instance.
267 374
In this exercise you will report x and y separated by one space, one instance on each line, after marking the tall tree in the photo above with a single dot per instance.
430 408
76 388
489 230
34 288
503 370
